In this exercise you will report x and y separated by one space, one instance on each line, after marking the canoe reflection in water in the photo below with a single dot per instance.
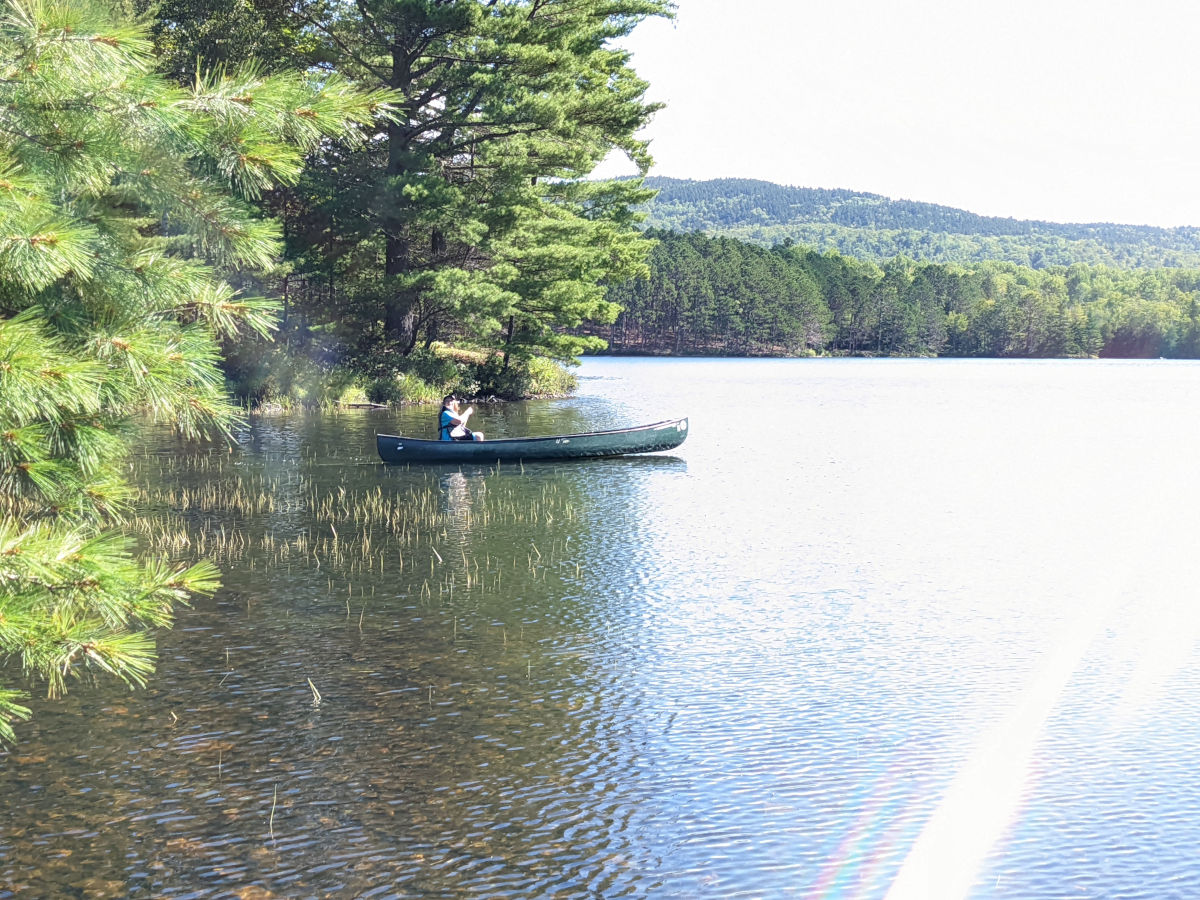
455 497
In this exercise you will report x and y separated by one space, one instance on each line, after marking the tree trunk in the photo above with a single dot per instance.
400 312
508 343
400 319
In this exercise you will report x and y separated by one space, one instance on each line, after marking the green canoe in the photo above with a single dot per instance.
645 439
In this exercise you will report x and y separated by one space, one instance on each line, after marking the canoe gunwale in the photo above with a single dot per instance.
548 437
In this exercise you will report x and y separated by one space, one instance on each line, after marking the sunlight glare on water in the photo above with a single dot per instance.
1054 501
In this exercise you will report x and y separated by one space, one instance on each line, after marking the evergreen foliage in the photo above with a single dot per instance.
466 217
716 295
123 199
871 227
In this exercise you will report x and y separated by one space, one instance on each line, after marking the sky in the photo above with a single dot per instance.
1059 110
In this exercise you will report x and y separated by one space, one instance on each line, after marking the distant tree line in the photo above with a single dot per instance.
868 226
717 295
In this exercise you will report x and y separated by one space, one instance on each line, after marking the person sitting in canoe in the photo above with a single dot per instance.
452 424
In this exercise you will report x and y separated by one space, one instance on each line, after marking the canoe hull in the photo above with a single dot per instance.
646 439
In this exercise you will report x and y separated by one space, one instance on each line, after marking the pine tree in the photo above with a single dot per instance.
467 215
123 199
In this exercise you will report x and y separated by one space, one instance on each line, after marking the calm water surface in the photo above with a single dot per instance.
877 629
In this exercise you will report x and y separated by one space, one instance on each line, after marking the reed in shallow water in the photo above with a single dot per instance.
290 519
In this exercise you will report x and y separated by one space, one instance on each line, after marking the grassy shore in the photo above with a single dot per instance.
279 380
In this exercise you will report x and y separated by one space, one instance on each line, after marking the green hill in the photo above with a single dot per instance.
872 227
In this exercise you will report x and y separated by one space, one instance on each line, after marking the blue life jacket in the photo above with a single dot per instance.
447 422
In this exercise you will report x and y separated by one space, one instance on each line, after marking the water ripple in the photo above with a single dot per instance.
755 669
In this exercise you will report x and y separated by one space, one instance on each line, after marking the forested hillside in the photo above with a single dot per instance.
868 226
717 295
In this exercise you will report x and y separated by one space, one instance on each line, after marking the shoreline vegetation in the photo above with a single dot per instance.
711 291
283 383
715 295
704 295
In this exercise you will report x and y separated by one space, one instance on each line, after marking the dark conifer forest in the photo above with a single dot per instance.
719 295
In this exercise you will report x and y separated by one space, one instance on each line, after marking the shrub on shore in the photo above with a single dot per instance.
268 376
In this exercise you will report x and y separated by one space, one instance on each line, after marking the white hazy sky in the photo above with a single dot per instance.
1063 110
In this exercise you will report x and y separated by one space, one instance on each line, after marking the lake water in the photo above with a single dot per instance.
904 629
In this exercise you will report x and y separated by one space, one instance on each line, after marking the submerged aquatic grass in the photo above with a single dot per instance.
209 505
